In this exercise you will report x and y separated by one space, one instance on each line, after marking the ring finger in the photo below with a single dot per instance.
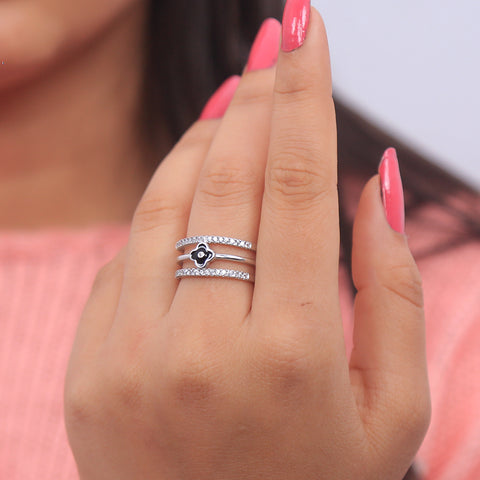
228 197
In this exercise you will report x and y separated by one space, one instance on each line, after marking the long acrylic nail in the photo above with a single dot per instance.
264 52
220 100
295 23
392 190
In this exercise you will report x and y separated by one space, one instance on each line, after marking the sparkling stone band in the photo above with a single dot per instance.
215 239
214 272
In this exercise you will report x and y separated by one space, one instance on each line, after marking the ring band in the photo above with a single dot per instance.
214 272
202 255
218 256
216 240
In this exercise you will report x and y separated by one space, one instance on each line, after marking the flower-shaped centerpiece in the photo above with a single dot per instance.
202 255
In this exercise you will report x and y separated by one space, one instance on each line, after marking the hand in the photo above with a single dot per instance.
224 379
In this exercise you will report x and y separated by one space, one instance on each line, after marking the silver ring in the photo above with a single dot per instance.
214 272
216 240
202 255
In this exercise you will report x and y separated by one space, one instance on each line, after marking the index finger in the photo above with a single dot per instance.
298 245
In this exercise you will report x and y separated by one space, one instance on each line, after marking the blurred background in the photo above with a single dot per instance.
412 66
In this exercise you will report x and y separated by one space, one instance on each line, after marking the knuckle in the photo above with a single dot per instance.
296 178
128 390
121 383
192 389
199 135
226 185
405 281
415 413
153 212
285 367
192 381
79 402
253 92
296 88
108 272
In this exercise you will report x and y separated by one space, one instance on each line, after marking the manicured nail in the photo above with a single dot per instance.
392 190
264 52
220 100
295 23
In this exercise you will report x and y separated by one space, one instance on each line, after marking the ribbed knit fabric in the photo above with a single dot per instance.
46 277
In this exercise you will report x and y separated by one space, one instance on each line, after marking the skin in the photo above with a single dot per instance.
69 88
221 379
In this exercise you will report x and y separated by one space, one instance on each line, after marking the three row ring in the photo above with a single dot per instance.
202 255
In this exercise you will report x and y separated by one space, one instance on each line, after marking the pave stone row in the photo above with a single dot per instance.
234 242
213 272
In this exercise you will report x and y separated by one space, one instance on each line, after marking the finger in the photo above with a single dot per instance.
161 219
297 264
388 363
99 311
228 197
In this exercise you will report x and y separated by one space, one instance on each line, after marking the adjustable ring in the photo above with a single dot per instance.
202 255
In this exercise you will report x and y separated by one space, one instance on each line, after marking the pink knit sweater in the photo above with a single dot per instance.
46 277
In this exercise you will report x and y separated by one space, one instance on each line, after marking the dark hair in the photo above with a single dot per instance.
193 46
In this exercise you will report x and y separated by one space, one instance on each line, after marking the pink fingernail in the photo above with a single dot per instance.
392 190
295 23
264 52
220 100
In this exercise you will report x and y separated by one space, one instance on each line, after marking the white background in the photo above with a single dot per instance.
412 66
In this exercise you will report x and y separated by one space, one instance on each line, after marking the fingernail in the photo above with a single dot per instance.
220 100
264 52
295 23
392 190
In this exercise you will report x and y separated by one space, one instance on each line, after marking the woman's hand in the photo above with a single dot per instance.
209 378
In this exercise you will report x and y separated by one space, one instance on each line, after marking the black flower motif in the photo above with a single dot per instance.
202 255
